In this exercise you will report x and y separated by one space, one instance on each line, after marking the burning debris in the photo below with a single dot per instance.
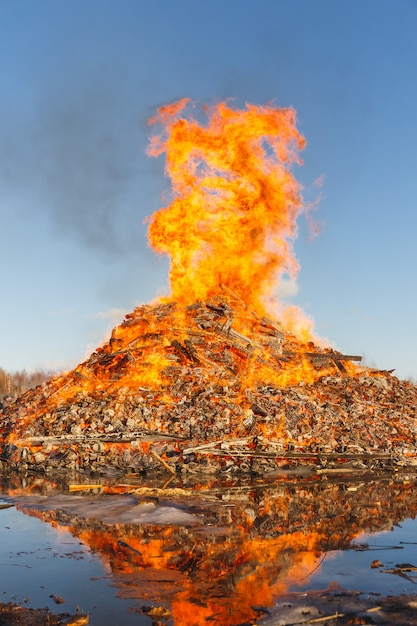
233 392
206 380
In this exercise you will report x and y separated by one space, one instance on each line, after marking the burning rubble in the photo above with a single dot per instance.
211 378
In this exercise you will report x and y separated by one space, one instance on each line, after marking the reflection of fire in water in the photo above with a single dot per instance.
205 365
249 545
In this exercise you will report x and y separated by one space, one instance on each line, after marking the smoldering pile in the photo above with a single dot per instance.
211 387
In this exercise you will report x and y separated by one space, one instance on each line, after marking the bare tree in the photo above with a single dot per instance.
15 383
5 383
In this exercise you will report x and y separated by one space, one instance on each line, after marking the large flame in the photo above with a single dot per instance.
235 204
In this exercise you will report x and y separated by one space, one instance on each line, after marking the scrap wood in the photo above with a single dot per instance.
161 461
202 447
334 356
60 388
233 333
237 448
185 350
337 615
142 435
335 470
83 487
217 309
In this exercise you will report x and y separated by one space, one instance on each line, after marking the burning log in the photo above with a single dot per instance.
185 350
335 356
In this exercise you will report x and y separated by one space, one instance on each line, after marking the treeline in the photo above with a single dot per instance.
15 383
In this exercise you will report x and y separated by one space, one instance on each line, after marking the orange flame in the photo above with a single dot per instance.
235 204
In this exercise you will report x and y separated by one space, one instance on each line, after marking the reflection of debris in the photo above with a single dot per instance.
5 506
364 547
57 599
338 606
219 553
83 487
126 545
12 614
401 569
156 612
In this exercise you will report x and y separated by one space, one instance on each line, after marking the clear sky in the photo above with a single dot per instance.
79 80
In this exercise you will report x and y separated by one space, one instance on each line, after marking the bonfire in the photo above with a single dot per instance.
218 376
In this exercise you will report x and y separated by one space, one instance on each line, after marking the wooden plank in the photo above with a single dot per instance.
335 356
330 456
142 435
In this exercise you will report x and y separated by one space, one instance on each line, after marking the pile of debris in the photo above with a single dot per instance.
210 387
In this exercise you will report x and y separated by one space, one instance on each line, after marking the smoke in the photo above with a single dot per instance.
87 169
78 157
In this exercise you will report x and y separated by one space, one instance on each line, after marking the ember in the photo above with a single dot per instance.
208 380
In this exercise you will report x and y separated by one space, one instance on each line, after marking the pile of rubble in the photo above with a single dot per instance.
210 387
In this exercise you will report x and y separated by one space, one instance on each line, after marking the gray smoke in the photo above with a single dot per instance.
82 155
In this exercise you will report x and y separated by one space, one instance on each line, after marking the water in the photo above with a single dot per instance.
184 555
38 561
353 569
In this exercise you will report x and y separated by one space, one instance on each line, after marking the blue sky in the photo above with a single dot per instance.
80 78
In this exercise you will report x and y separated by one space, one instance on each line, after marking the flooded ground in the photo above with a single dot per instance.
131 551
